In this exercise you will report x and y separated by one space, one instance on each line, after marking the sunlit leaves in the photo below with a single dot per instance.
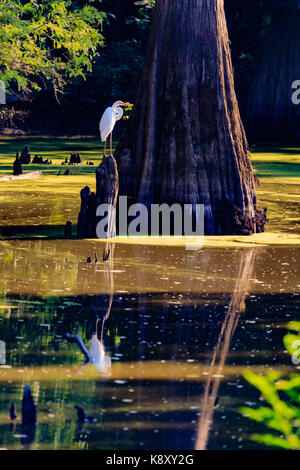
283 397
127 111
51 41
292 443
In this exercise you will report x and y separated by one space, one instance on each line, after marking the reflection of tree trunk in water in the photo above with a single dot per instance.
192 260
222 347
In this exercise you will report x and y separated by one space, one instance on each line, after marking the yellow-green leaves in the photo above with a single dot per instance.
282 396
55 41
127 111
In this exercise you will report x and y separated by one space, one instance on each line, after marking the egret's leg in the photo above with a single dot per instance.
111 144
105 147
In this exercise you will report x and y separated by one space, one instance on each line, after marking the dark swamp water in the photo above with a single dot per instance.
172 332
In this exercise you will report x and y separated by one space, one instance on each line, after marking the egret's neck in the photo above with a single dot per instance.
119 113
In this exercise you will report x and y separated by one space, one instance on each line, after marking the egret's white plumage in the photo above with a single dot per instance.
108 121
97 354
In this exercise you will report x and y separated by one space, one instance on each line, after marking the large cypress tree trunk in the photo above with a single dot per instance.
271 114
185 142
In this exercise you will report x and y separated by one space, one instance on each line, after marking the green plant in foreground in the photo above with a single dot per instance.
282 395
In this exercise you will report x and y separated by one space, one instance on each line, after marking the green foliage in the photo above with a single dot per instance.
283 397
145 10
47 42
127 111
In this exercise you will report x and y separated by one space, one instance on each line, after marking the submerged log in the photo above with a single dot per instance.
27 176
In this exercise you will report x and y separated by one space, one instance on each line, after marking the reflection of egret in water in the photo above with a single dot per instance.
222 347
97 354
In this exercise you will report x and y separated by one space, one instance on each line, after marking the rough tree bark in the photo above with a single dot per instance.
185 142
271 113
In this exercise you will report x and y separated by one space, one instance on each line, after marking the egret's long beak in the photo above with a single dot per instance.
127 104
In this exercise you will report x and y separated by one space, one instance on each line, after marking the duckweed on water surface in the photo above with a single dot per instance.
180 326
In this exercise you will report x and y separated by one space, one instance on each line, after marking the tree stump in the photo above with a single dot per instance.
107 190
68 229
91 216
82 224
75 159
17 166
37 160
25 156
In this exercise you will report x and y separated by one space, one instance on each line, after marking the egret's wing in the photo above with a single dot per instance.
107 123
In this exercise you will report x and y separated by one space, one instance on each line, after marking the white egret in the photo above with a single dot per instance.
108 121
98 357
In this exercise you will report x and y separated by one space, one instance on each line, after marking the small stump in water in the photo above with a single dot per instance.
17 166
25 156
75 159
68 229
86 226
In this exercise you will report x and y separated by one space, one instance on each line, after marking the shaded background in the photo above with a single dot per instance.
265 39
